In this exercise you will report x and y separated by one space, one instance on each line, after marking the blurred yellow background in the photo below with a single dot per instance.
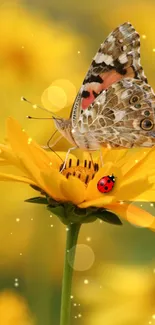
51 44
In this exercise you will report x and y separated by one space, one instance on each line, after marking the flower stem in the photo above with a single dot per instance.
71 241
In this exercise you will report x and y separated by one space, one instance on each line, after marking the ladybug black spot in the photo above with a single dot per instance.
106 188
108 181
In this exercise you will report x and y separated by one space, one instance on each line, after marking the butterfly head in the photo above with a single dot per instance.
65 128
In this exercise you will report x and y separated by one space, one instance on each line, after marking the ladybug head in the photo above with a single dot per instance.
112 177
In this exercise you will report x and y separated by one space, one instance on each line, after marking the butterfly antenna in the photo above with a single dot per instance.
38 106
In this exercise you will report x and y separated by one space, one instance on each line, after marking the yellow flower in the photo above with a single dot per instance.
77 185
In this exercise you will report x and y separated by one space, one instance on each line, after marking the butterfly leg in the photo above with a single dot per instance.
65 162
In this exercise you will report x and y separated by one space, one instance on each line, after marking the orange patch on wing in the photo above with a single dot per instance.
108 78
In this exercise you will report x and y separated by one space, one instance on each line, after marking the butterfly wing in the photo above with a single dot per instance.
121 116
117 58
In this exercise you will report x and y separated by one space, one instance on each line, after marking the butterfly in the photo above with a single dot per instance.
115 105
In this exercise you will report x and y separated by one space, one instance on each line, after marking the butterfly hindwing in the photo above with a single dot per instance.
117 58
122 115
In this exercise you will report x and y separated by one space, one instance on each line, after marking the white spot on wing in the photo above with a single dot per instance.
111 38
100 57
123 58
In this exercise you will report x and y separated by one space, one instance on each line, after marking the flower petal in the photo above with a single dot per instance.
20 142
73 189
100 202
16 178
51 181
132 188
133 214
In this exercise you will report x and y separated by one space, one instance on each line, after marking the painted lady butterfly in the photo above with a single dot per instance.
115 105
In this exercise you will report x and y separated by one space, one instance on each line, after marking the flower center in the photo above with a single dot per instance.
85 173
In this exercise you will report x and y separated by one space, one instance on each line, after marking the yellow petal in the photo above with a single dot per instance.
113 155
100 202
51 183
133 214
92 192
16 178
132 188
7 154
73 189
133 163
20 142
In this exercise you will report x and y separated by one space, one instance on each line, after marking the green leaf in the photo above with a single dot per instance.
109 217
37 199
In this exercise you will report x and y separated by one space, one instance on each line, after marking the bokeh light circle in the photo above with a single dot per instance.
60 94
84 258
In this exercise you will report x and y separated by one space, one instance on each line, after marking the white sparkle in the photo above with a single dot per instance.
100 221
143 36
67 229
71 297
17 219
75 316
20 254
29 140
75 304
22 47
51 216
34 106
151 204
50 163
52 226
136 161
153 50
31 219
153 316
86 281
16 284
141 205
153 270
88 239
11 233
23 130
22 98
79 52
16 279
73 130
79 315
150 322
121 202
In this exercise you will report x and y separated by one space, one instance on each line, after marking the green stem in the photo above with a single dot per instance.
71 241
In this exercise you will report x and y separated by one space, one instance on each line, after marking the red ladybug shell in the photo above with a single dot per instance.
106 184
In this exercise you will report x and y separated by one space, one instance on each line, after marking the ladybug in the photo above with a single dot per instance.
106 184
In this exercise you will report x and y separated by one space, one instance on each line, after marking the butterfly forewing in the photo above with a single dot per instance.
117 58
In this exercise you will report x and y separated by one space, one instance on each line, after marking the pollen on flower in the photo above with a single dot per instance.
29 140
85 173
